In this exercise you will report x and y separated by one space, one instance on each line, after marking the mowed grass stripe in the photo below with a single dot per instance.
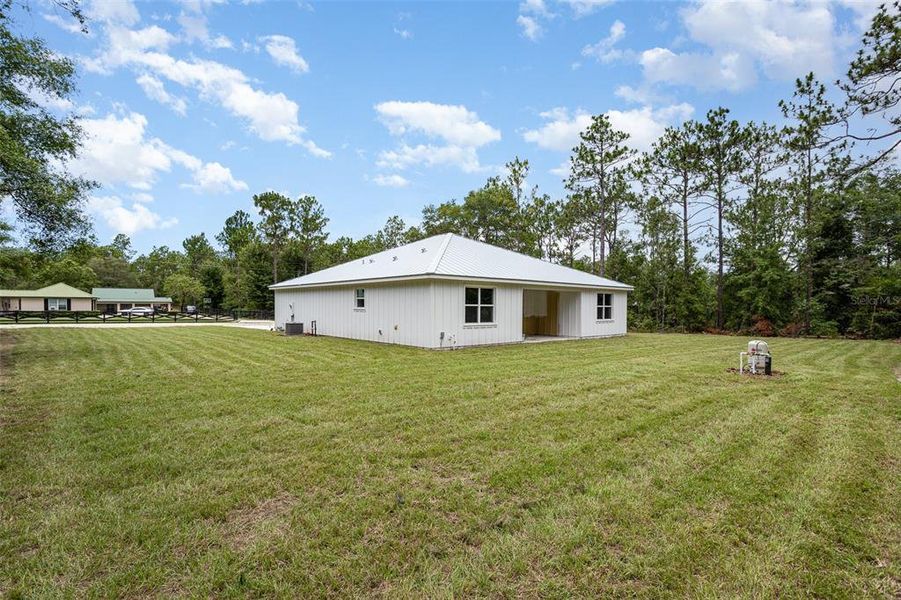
225 462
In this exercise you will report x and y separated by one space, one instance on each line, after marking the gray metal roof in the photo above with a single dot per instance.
128 295
454 257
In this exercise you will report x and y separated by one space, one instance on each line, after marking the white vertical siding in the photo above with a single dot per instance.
394 314
416 313
569 315
448 298
591 326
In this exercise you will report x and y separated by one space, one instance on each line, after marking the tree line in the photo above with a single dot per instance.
722 225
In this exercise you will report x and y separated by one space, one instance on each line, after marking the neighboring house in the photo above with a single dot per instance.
450 291
112 300
58 296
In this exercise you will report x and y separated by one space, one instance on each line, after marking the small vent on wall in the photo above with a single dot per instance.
393 258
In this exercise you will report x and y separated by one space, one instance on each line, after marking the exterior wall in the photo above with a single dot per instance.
569 314
412 313
80 304
32 304
448 309
9 303
416 313
591 327
38 304
394 314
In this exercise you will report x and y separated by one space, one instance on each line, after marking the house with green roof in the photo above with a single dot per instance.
58 296
113 300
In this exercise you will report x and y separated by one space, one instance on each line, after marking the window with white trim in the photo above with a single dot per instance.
360 298
605 307
479 305
57 304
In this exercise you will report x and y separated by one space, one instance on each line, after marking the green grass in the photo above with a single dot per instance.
227 462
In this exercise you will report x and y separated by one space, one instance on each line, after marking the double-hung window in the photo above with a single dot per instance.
57 304
479 305
360 298
605 307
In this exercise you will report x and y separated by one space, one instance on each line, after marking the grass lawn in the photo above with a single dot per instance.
226 462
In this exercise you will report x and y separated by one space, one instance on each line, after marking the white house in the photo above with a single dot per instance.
449 291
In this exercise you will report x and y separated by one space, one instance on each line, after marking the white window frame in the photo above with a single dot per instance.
360 299
54 303
479 305
604 306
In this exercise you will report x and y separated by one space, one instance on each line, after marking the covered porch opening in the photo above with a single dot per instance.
541 315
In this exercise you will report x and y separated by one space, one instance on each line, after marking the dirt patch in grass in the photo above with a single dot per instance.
771 376
897 371
247 525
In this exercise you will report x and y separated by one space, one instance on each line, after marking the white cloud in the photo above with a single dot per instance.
126 220
194 28
64 24
127 45
536 7
395 181
639 95
116 151
405 34
460 130
561 132
213 178
731 71
270 116
582 8
283 51
118 11
465 158
453 123
531 14
48 101
780 39
155 90
644 125
531 29
604 50
786 39
142 197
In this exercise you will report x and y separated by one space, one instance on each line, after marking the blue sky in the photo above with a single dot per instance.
380 108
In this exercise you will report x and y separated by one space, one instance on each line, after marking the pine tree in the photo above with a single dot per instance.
812 153
720 140
598 171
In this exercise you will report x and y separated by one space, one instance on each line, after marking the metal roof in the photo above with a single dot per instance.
453 257
128 295
57 290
